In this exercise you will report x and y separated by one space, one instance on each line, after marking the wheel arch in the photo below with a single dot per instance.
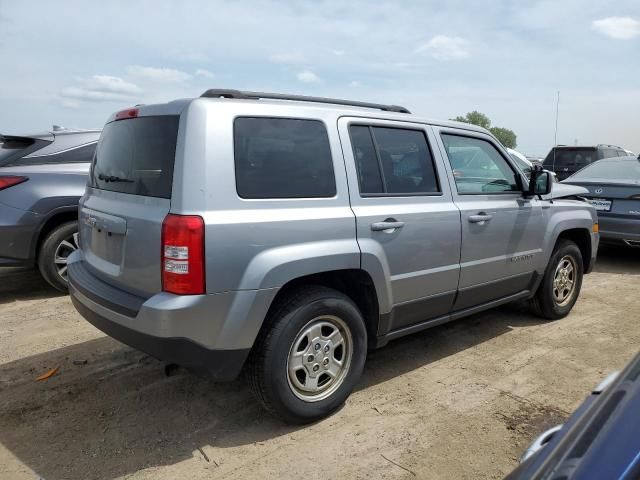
575 224
57 217
582 238
357 284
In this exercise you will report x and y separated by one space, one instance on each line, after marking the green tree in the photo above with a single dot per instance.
507 137
475 118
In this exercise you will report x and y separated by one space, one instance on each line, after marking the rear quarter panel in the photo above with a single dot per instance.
49 187
50 190
258 243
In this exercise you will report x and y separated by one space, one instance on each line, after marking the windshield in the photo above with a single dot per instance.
136 156
627 169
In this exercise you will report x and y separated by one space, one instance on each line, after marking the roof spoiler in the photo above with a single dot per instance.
244 95
15 138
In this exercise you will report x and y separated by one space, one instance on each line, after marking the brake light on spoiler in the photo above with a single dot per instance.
183 255
128 113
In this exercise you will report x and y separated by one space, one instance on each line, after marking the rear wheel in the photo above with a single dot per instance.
61 242
311 356
560 286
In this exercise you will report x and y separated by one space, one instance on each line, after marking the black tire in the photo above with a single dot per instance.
545 303
46 254
268 364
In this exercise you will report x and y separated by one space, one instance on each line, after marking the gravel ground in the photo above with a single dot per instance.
459 401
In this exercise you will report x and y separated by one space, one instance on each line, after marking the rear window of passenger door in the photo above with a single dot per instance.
393 161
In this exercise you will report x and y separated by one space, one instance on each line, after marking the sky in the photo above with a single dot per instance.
74 63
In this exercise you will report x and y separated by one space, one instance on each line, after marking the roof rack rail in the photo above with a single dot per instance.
224 93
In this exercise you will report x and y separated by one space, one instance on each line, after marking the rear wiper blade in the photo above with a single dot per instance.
113 178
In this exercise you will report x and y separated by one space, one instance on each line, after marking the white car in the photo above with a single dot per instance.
524 163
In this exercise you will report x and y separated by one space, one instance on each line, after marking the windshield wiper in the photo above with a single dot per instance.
113 178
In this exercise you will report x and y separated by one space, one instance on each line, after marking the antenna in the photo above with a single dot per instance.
557 111
555 139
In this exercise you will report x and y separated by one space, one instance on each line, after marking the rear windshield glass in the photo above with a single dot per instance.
136 156
570 158
283 158
619 170
13 148
82 154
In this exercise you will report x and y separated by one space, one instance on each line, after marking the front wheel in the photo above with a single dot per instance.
560 286
311 355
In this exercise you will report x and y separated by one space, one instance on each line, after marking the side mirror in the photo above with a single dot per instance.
540 182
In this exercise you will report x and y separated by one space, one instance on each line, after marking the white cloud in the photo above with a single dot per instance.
80 93
201 72
164 75
288 58
617 27
99 88
355 84
442 47
108 83
307 76
70 104
392 72
338 53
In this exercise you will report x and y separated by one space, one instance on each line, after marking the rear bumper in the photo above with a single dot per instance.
613 229
595 243
213 333
222 365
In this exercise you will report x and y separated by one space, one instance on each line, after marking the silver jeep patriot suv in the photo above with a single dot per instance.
285 236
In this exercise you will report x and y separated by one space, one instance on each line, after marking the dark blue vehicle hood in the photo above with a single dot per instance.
601 440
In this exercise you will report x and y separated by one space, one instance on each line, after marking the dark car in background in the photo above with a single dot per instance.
600 440
42 177
567 160
614 190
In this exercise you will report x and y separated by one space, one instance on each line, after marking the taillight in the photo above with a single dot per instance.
128 113
183 254
7 181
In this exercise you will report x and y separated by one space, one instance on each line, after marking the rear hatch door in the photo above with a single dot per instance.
613 185
127 198
613 200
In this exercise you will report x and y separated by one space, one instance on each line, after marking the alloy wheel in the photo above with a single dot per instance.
319 358
564 281
65 248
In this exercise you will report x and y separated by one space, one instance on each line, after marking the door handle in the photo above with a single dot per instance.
388 224
480 218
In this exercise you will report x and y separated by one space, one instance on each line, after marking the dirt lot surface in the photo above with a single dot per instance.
458 401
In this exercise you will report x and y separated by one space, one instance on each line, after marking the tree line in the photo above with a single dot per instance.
507 137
